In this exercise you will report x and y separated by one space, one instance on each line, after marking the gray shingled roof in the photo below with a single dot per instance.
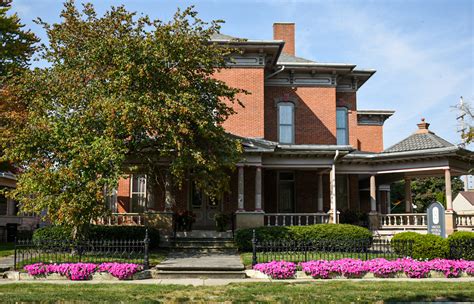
291 59
419 141
219 36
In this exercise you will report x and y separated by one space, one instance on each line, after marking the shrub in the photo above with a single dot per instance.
328 233
60 233
461 245
425 246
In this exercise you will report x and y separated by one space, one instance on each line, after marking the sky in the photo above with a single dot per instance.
423 50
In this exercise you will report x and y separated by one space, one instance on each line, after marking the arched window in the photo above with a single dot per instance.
286 123
342 135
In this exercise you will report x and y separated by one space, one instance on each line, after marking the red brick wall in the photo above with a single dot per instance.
315 114
248 121
347 99
123 195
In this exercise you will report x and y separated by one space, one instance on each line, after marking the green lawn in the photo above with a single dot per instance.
314 292
6 249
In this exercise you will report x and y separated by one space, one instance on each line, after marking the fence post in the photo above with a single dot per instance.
254 248
14 255
147 243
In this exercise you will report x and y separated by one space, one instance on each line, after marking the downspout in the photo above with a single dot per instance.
276 73
333 187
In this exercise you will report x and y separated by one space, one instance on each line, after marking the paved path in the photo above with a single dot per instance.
195 261
6 262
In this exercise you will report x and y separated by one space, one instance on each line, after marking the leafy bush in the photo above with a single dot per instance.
461 245
425 246
59 233
330 233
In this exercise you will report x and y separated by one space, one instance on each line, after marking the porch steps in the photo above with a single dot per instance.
202 254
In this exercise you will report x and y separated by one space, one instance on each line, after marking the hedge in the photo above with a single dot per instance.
461 245
338 233
59 233
425 246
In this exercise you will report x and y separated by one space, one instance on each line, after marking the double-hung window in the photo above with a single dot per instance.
138 193
286 123
342 135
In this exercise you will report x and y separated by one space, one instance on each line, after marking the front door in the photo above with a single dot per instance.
204 208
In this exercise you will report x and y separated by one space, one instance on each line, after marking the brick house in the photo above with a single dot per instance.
310 152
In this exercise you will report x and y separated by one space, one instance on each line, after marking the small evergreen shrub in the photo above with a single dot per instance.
461 245
60 233
425 246
344 234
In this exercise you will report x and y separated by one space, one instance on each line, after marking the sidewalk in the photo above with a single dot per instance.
216 282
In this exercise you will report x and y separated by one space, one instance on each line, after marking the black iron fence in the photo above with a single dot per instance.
302 251
90 251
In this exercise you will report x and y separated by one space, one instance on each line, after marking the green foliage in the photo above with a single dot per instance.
461 244
120 89
59 233
424 192
324 232
425 246
16 44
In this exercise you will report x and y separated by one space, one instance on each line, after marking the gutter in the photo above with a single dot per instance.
276 73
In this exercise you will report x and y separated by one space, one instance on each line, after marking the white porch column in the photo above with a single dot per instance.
240 198
449 195
408 201
320 192
258 188
169 198
373 195
332 181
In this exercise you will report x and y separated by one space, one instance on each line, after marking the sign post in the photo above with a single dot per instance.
436 221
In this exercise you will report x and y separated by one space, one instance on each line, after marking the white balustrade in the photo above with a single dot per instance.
403 220
295 219
465 220
122 219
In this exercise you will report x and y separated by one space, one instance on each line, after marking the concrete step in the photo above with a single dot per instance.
203 250
173 274
202 243
204 234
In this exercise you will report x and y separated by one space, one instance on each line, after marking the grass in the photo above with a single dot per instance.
313 292
296 257
6 249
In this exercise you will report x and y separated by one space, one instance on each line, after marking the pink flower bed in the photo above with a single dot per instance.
277 270
381 268
83 271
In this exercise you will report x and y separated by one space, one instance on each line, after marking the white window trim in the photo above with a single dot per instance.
132 192
286 103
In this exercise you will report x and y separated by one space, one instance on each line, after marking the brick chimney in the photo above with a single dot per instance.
285 31
423 127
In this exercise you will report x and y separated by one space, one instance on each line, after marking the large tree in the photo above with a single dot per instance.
425 191
119 88
16 43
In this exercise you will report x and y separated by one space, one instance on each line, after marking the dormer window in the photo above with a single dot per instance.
342 130
286 123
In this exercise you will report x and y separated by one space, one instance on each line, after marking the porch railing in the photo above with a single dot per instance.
403 220
295 219
465 220
122 219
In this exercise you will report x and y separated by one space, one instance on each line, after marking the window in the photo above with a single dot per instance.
342 189
286 121
138 193
342 134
